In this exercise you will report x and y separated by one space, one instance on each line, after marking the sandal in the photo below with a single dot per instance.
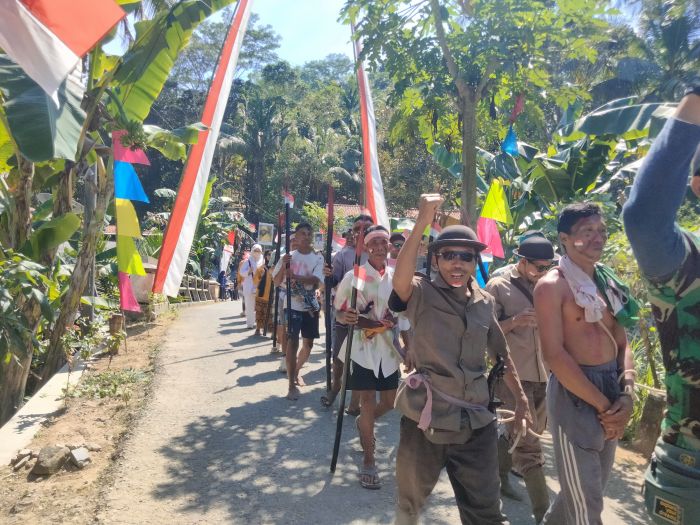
327 401
369 478
353 413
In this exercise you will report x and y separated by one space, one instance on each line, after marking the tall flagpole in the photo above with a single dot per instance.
184 218
329 306
373 188
348 352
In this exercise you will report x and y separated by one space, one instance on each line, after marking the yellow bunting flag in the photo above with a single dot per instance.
128 259
496 204
127 222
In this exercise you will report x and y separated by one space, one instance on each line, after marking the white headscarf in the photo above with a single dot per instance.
256 254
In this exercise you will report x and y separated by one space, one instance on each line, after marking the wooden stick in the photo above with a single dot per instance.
348 355
329 279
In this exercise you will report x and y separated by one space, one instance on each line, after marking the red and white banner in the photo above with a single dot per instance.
374 189
338 242
288 198
49 37
188 203
226 255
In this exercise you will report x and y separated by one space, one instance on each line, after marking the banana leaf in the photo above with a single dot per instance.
147 64
51 234
42 129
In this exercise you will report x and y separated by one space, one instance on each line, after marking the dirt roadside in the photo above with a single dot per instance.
72 495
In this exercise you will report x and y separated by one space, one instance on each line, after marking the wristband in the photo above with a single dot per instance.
693 90
629 392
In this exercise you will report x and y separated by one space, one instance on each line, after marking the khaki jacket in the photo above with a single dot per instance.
523 342
451 355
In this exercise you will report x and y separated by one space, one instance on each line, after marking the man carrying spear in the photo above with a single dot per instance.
305 269
446 419
342 264
374 362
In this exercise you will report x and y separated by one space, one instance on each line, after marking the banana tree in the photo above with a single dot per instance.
54 146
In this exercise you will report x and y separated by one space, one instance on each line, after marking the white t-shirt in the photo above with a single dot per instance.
305 265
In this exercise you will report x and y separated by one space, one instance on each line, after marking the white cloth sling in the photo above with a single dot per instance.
586 294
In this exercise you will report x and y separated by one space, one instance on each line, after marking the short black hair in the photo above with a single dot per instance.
376 228
303 225
363 217
573 213
397 237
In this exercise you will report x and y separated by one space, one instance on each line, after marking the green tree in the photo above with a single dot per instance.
48 149
449 56
195 65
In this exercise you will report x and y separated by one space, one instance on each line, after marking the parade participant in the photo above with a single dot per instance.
508 268
446 421
669 258
306 269
342 263
374 365
240 278
516 314
579 308
247 271
263 283
221 279
396 242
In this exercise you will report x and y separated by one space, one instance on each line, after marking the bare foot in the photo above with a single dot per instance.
300 381
293 394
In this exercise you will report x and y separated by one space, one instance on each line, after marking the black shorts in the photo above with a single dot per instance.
340 333
362 378
304 322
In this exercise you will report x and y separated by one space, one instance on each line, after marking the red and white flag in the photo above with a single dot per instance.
374 189
338 242
359 278
226 255
288 198
47 38
188 203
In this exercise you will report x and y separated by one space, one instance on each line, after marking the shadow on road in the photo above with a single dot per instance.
266 460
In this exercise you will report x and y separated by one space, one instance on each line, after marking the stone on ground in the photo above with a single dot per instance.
51 459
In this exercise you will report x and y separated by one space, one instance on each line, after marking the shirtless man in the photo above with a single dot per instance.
586 349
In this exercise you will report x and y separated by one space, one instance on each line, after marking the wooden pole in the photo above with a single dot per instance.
328 286
273 290
348 354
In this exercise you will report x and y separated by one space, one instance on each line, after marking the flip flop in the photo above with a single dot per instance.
326 401
369 478
353 413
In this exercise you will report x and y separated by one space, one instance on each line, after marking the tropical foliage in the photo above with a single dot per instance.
594 88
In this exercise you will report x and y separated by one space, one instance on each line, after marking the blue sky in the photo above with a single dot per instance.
309 28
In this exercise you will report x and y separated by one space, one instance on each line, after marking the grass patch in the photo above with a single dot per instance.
114 384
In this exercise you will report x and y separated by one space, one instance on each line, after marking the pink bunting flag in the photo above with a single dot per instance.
127 300
124 154
518 108
487 231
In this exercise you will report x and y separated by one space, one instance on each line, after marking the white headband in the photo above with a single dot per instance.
376 234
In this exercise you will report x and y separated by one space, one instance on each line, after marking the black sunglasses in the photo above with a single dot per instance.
541 267
462 256
397 244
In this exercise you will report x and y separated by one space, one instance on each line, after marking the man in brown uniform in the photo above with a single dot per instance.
446 422
515 312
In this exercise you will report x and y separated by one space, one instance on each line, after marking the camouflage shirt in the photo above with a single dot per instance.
676 308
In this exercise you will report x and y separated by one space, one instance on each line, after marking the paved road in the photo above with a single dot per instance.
218 443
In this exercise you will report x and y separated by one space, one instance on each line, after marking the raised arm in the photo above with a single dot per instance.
406 261
548 308
658 191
